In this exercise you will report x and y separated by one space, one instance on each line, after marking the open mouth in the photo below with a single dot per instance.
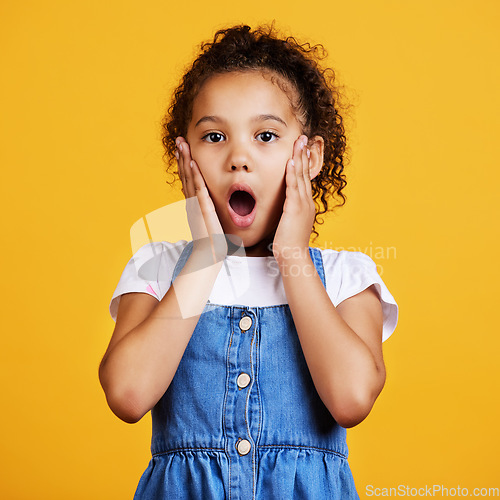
242 205
242 202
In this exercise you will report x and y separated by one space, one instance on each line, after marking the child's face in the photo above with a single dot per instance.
242 131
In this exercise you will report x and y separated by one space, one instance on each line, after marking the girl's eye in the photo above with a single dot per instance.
213 137
267 136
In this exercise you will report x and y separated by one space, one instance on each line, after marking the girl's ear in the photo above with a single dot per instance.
317 147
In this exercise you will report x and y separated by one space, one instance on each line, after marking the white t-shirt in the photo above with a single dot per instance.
254 281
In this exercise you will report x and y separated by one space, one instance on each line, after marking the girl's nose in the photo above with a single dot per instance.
239 157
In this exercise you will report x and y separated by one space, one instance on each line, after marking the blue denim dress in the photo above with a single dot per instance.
241 418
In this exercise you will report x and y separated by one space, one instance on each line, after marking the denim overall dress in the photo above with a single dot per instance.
241 418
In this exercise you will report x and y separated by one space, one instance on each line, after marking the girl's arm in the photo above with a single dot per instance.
149 340
342 345
150 337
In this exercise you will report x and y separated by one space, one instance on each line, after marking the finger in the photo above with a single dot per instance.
307 174
193 207
198 180
206 203
185 155
180 165
300 163
180 171
186 160
292 192
201 189
306 177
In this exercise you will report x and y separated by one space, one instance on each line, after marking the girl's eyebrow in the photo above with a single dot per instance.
259 118
262 118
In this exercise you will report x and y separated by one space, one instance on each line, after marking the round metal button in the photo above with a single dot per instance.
243 380
245 323
243 447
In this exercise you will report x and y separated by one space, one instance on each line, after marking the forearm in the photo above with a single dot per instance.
344 370
137 371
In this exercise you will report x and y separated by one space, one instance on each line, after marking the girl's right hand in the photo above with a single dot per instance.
206 230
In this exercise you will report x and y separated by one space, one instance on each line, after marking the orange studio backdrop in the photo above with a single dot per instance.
83 88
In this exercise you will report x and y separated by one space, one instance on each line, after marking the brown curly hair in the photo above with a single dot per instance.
319 99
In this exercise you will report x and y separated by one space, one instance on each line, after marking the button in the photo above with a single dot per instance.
243 380
243 447
245 323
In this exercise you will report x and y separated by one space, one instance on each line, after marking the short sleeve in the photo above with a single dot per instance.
358 272
148 271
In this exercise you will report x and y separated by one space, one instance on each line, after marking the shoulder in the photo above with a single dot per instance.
142 252
334 259
149 271
156 259
341 267
348 273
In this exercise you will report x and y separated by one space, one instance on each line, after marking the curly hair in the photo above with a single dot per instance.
319 99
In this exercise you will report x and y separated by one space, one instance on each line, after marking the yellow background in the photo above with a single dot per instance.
83 88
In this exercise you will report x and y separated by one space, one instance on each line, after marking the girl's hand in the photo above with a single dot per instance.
206 230
291 239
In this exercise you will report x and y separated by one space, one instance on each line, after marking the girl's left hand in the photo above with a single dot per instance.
291 239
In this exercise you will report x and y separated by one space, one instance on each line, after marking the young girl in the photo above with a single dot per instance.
253 351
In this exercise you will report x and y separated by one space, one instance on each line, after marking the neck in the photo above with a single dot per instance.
261 249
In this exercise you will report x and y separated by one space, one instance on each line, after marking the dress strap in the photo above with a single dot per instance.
186 252
318 263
